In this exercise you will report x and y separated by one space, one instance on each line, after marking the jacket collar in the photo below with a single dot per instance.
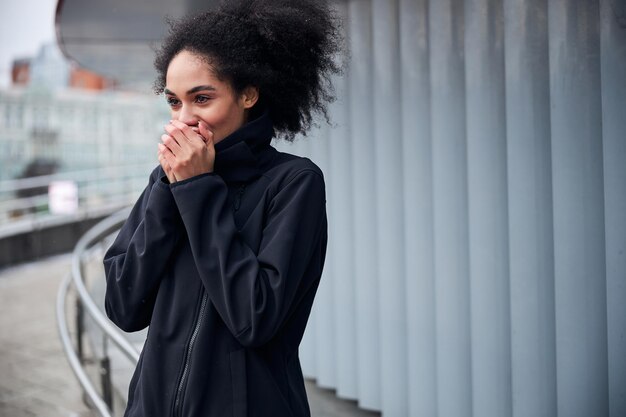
238 157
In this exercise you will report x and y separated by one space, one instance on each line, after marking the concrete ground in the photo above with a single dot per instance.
35 378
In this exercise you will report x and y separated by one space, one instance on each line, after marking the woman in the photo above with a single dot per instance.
222 254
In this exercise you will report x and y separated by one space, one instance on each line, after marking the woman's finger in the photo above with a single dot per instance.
165 165
177 135
171 144
182 132
171 160
203 130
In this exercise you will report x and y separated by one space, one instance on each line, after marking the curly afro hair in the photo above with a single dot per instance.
288 49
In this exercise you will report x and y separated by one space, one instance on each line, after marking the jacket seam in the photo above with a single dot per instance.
302 171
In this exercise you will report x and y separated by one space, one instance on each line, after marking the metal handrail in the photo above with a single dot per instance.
84 175
99 231
92 237
71 355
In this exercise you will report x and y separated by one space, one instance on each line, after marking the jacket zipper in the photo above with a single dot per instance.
178 402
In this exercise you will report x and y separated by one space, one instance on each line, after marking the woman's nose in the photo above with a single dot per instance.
187 117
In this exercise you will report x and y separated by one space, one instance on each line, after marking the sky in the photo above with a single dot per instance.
26 24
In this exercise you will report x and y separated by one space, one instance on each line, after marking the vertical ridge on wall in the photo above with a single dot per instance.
579 253
447 72
340 203
388 160
325 359
531 269
418 210
488 211
363 174
613 64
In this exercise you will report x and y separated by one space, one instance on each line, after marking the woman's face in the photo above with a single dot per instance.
194 93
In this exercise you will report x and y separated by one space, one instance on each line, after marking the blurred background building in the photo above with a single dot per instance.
61 119
476 174
60 114
76 129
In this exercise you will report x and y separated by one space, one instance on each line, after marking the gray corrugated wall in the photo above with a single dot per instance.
476 175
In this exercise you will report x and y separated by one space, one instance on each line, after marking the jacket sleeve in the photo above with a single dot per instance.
253 293
135 262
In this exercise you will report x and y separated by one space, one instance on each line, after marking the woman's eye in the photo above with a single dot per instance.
172 101
202 99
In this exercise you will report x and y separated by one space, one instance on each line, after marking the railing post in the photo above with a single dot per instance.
105 374
79 329
105 380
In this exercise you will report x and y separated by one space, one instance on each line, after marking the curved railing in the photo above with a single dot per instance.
86 305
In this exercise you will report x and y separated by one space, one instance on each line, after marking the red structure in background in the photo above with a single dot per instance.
88 80
80 78
20 73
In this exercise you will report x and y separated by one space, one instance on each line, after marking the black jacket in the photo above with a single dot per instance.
223 267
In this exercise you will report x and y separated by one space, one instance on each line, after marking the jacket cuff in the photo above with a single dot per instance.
186 192
188 180
161 199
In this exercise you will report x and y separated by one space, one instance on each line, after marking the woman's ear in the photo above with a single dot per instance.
249 96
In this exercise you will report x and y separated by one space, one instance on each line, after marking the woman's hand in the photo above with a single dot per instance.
166 165
186 151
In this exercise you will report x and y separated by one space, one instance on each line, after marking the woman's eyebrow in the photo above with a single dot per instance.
201 88
193 90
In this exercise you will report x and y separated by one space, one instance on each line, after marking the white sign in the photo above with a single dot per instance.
63 197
